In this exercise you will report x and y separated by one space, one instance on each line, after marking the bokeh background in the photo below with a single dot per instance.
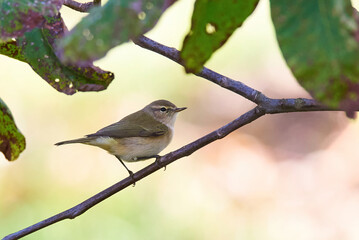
289 176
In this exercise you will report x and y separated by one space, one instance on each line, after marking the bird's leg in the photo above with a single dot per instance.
128 170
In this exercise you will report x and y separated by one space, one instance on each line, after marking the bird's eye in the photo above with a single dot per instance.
163 109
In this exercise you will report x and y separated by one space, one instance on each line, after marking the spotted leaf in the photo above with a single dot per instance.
20 16
108 26
213 22
12 142
319 41
36 48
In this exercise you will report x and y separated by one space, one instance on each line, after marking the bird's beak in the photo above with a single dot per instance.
180 109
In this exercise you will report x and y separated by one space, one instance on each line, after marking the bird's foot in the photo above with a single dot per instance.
131 175
158 161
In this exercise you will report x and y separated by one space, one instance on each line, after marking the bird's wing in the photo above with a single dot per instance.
145 127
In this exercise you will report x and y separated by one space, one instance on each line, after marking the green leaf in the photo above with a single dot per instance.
108 26
20 16
12 142
319 41
213 22
37 49
11 49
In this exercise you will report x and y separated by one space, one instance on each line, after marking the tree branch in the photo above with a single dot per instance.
269 104
81 7
225 82
164 161
264 106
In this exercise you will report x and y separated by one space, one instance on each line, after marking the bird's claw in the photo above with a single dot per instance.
131 175
158 162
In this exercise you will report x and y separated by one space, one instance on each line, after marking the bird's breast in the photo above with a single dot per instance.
131 148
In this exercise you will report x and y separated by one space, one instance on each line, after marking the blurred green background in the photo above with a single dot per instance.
290 176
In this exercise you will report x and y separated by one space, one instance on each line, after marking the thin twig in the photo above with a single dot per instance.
271 105
80 7
173 54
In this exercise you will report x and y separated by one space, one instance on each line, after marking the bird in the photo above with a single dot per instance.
139 136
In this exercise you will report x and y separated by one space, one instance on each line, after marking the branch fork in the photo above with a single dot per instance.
264 106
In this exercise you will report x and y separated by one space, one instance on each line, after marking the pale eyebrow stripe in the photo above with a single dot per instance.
158 107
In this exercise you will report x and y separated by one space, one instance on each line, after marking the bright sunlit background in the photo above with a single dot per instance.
289 176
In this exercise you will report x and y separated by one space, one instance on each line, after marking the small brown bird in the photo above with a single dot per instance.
139 136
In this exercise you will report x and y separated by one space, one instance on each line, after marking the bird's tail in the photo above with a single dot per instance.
78 140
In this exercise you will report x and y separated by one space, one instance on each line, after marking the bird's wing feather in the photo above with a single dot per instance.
143 126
